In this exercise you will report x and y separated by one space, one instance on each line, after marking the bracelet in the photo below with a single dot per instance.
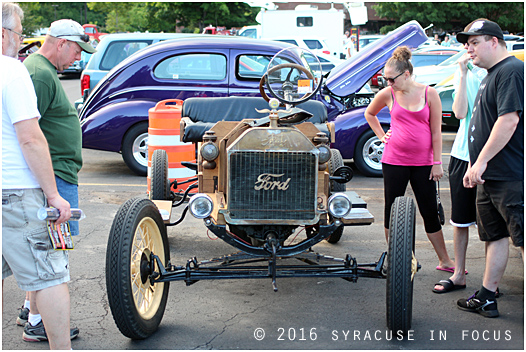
437 163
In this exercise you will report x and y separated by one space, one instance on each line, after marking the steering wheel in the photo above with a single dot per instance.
287 83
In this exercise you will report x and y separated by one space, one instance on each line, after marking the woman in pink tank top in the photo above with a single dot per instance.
413 145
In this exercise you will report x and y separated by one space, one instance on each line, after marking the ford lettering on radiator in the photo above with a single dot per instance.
268 182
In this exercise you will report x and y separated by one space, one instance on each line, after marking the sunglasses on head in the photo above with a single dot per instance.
392 80
83 37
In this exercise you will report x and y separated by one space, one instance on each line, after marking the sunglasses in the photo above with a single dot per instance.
392 80
83 37
22 37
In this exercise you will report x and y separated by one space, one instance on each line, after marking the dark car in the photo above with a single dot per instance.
115 115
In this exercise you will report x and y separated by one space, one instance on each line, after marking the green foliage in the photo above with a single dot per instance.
41 14
451 16
140 16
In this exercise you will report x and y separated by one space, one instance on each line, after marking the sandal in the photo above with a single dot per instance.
448 286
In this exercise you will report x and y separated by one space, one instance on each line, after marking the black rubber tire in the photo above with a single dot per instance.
367 154
159 183
126 246
336 235
399 284
136 137
335 162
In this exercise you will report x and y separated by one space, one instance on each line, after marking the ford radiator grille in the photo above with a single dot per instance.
272 186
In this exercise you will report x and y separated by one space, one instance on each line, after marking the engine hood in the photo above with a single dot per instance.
348 77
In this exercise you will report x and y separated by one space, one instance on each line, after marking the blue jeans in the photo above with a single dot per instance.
69 192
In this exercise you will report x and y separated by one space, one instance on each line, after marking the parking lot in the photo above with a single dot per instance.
306 313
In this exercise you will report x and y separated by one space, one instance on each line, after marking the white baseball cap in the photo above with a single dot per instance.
73 31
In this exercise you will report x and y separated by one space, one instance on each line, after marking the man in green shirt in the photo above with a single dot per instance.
60 124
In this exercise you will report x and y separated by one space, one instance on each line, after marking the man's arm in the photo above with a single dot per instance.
36 153
460 104
500 136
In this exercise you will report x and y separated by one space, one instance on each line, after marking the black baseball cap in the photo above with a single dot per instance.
481 27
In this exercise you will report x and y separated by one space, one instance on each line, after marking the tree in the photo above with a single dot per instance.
452 16
196 15
42 14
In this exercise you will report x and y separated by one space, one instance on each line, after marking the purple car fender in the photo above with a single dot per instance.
107 126
351 125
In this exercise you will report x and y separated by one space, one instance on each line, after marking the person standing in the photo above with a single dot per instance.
496 151
350 48
413 145
60 124
27 182
463 200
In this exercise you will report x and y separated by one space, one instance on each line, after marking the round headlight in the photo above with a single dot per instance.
339 205
209 151
325 154
201 206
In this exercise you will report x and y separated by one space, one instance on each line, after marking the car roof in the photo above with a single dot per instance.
219 41
437 48
117 36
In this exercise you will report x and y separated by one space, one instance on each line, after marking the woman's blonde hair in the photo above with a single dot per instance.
400 60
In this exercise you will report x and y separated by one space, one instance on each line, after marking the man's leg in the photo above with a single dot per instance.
497 253
54 306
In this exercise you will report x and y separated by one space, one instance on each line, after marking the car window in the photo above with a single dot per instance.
453 59
89 30
427 59
192 66
250 33
313 44
304 21
254 66
290 41
120 50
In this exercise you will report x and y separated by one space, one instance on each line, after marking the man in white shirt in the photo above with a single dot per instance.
27 181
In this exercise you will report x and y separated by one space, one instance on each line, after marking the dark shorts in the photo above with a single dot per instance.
396 179
500 211
463 200
69 192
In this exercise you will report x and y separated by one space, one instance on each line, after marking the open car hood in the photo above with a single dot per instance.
348 77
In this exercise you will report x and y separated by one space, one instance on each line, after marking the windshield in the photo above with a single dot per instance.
453 59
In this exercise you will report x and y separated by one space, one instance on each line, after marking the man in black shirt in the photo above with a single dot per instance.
496 150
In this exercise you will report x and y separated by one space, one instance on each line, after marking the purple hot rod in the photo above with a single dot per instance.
115 115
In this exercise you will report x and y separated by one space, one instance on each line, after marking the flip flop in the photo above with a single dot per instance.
448 286
449 270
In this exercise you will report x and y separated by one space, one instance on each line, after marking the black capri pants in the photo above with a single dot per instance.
397 177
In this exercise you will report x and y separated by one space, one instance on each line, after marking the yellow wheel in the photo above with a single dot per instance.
137 233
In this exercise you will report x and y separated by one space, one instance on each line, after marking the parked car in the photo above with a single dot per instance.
115 115
432 55
316 45
517 44
445 90
427 57
26 50
93 31
433 74
365 40
112 49
328 62
39 40
250 32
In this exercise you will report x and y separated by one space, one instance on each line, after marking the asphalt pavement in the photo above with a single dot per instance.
305 313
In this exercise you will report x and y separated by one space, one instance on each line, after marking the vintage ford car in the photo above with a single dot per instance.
115 115
269 185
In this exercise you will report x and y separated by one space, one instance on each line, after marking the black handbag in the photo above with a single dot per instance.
440 208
